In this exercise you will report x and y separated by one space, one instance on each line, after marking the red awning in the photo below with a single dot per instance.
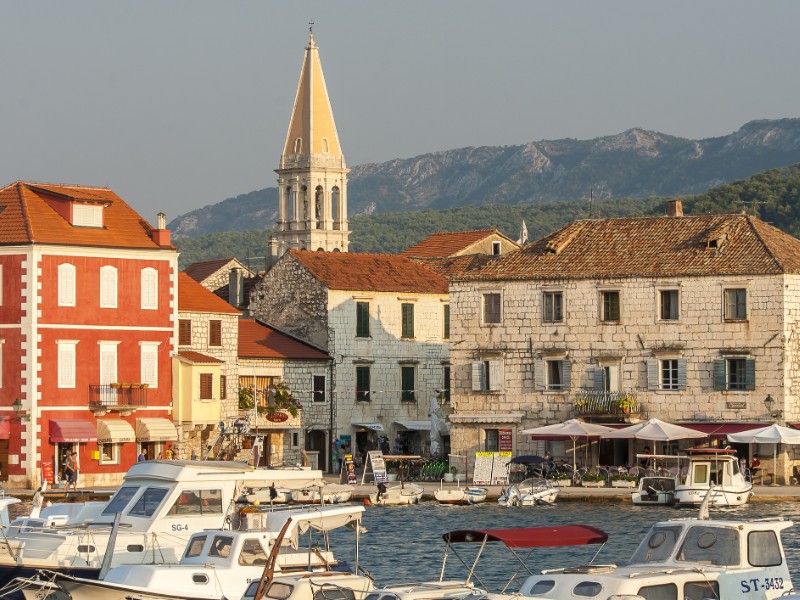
5 428
720 430
532 537
72 431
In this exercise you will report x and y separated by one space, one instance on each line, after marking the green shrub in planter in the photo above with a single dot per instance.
623 478
593 477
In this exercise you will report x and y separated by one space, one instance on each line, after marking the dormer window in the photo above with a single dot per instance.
87 215
496 248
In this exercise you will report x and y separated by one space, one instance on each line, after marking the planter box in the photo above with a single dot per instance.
594 484
562 482
623 484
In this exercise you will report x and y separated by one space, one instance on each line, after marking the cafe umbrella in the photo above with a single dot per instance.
772 434
573 429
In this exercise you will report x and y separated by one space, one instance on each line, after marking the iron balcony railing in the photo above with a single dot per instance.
599 402
118 395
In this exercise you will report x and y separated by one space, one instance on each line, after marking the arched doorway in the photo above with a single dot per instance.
315 440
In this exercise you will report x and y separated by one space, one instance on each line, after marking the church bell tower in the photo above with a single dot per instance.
312 176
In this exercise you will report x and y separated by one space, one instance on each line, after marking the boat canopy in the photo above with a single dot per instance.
531 537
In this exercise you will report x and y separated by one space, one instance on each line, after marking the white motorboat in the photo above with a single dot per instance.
468 495
396 495
313 586
654 490
717 468
694 558
428 590
530 492
160 503
219 563
331 493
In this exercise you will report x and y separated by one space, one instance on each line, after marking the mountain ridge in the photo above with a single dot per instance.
635 163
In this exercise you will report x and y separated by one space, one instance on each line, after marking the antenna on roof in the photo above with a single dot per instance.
591 201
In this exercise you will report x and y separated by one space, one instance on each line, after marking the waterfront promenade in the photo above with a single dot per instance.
762 493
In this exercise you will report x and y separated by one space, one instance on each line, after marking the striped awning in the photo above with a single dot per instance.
415 425
155 430
372 426
72 431
114 431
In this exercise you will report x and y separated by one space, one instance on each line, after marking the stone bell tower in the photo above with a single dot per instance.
312 176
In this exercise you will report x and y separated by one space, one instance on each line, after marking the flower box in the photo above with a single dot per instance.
621 483
594 484
562 482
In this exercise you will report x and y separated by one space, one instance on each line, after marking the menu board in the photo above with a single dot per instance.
48 474
375 458
505 440
350 468
491 468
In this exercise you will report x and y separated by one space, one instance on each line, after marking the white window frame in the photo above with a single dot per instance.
66 284
149 352
725 293
602 298
66 353
113 453
484 320
655 374
108 287
149 289
552 294
661 293
542 374
487 375
608 376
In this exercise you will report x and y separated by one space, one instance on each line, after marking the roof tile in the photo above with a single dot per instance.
193 297
257 340
447 243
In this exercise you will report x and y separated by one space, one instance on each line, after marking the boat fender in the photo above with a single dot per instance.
367 502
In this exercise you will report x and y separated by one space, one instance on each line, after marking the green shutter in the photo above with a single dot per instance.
681 373
599 379
750 374
653 380
566 375
362 319
539 382
408 320
447 321
720 381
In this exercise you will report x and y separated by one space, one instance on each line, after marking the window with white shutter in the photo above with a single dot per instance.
87 215
108 287
149 289
666 374
487 376
66 284
150 363
66 364
108 363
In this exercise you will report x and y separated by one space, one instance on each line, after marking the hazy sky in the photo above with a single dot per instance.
176 104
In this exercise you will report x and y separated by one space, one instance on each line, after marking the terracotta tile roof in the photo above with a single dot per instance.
651 247
28 216
371 272
197 357
456 266
193 297
257 340
200 270
447 243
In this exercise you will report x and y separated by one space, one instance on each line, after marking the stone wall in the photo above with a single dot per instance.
699 335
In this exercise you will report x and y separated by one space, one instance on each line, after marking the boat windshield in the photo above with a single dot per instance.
148 502
658 545
711 545
120 500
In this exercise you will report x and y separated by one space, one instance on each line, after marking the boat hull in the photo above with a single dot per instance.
472 495
693 496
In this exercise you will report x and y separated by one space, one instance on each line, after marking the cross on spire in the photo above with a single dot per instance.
311 27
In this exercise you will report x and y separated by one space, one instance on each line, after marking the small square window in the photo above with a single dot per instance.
735 304
669 305
553 307
610 306
491 308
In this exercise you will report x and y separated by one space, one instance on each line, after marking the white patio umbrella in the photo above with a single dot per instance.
573 429
772 434
654 430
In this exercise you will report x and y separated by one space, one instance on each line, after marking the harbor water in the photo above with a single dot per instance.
405 543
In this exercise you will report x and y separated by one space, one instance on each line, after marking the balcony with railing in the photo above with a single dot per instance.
600 403
122 397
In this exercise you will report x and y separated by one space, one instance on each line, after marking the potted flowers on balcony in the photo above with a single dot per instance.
623 480
581 403
626 403
593 480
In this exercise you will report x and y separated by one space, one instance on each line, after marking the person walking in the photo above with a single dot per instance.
69 471
142 455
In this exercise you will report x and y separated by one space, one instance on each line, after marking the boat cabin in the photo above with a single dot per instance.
713 467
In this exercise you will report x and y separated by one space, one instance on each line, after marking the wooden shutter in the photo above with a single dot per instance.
566 374
149 288
66 365
184 332
408 320
108 287
477 376
206 386
598 377
149 365
223 387
653 379
215 333
750 374
539 379
66 284
720 380
495 375
681 373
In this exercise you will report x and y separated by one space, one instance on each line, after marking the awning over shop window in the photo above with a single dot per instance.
415 425
5 428
372 426
114 431
720 430
155 430
487 419
72 431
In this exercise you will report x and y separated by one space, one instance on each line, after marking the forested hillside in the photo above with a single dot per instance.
773 196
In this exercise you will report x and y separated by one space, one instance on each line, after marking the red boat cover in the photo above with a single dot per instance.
531 537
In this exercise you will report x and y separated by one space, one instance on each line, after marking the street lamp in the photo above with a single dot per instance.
21 414
769 402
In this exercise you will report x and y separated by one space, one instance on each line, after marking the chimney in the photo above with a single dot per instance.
272 252
235 287
160 234
674 208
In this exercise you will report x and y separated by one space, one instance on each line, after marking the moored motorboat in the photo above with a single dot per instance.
472 494
693 558
267 495
715 468
331 493
161 504
219 564
654 490
396 495
530 492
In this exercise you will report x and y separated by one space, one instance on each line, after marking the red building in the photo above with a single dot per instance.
87 316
